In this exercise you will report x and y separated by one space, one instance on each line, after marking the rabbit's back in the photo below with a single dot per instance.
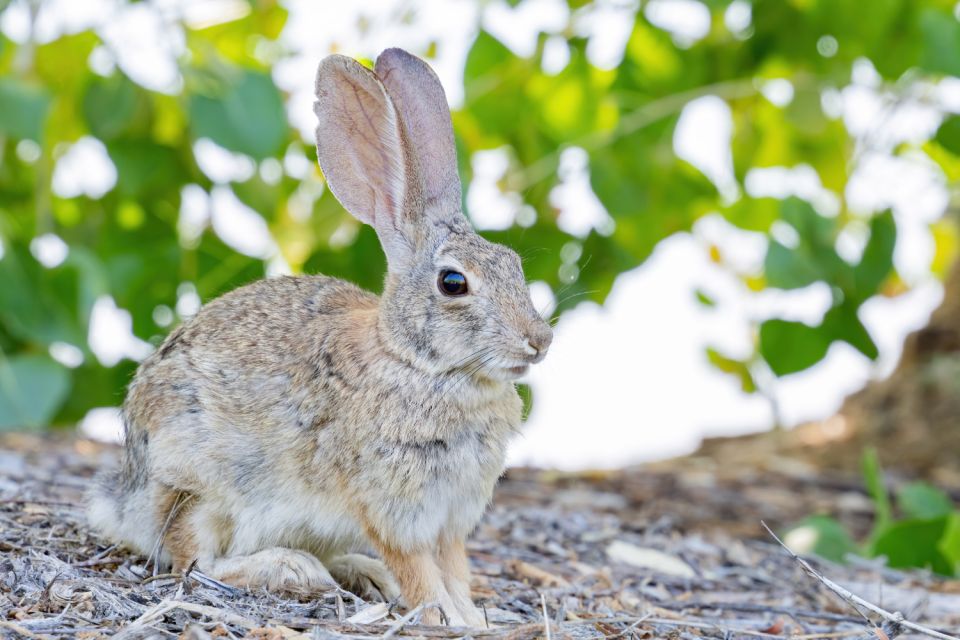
224 402
234 374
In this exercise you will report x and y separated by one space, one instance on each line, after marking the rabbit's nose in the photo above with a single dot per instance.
538 341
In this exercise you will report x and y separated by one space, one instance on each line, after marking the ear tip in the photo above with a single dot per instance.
394 57
335 61
338 65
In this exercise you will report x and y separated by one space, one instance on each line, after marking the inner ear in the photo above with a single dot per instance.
362 151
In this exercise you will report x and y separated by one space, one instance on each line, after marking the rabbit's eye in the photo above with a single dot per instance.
452 283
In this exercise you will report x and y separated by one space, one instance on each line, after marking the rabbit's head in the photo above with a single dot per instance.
385 144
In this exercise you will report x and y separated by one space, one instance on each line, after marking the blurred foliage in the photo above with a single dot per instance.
133 245
925 535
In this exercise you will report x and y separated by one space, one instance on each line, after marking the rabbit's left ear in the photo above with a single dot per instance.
418 96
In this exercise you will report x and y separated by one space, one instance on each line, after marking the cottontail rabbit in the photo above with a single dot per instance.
297 420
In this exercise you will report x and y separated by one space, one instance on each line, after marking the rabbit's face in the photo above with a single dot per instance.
468 307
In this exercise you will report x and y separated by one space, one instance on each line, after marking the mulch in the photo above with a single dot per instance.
667 551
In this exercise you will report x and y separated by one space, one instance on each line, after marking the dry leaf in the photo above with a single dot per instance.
646 558
536 575
370 614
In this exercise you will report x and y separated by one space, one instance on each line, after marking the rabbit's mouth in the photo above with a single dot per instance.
517 371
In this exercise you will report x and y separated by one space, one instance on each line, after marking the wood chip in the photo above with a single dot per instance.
369 614
652 559
535 575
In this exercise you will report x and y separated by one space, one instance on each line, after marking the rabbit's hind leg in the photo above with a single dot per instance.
365 576
277 569
194 529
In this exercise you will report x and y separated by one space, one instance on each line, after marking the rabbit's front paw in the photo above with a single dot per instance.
277 569
365 576
472 616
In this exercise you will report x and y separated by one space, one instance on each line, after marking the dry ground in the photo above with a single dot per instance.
672 551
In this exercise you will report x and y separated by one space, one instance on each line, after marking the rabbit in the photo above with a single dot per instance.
296 422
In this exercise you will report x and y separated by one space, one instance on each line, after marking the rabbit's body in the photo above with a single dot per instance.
276 384
297 420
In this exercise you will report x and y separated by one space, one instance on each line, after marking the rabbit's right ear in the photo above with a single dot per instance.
419 98
361 150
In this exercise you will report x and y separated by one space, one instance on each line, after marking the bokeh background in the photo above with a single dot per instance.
737 210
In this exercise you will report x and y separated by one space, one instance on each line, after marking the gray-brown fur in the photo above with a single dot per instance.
307 419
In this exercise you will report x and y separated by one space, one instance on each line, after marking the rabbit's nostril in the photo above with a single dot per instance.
537 344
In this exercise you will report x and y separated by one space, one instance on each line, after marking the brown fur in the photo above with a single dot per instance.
175 508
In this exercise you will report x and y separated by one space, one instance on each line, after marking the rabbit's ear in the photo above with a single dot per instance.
418 95
361 150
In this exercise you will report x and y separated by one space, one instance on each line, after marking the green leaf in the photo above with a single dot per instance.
23 109
734 367
704 299
145 167
110 106
877 489
41 305
941 42
789 347
813 228
568 103
95 386
32 388
526 396
753 214
247 116
495 89
914 543
949 544
842 322
362 262
787 268
923 501
821 535
948 135
876 263
814 258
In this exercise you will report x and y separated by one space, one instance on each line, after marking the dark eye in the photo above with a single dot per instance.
452 283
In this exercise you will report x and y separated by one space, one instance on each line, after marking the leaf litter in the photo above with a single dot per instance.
668 551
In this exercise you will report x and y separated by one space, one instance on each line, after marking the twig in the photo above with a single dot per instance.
630 628
100 558
402 622
95 562
13 626
213 583
161 576
852 599
42 503
748 607
704 624
546 618
156 611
